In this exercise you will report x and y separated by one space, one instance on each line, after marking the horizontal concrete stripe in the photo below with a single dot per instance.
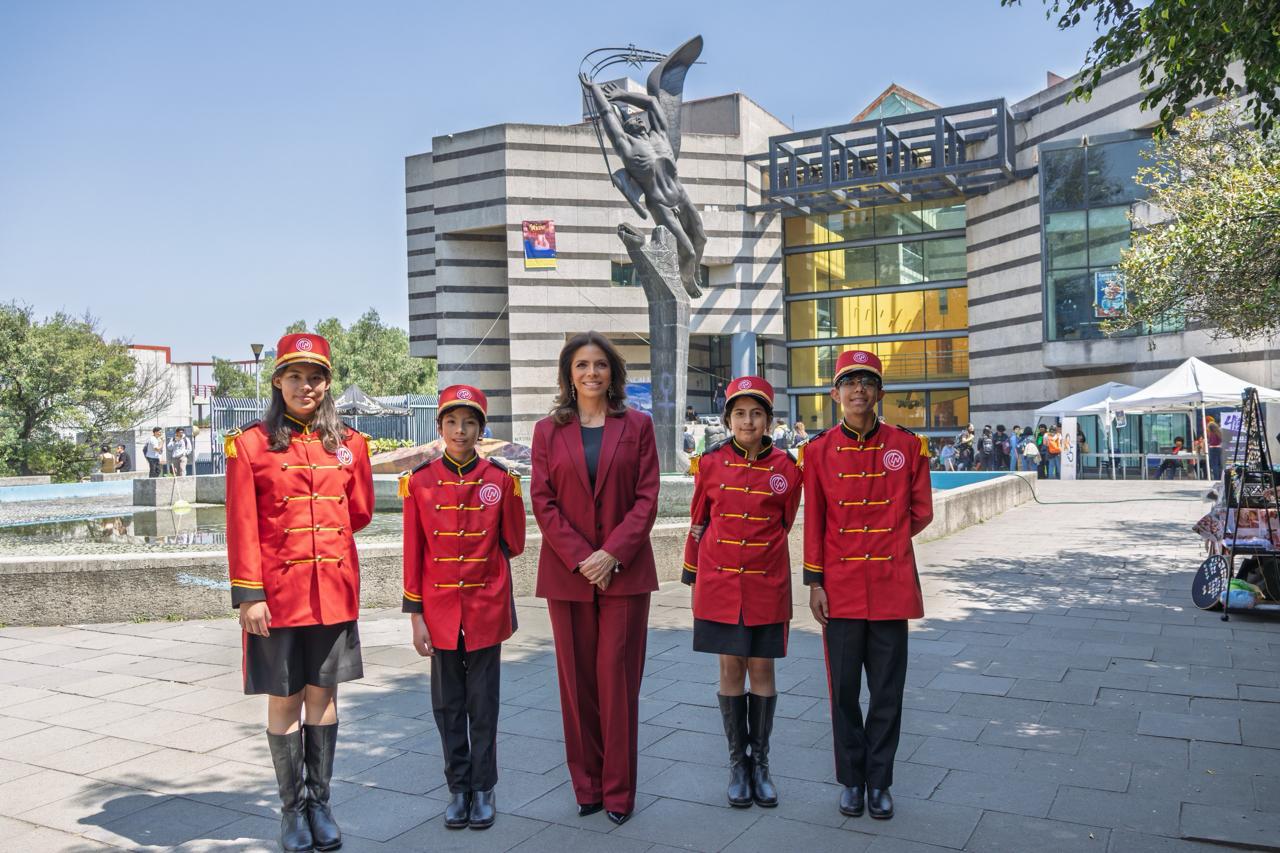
468 315
426 208
548 148
1123 103
1108 370
1004 265
999 407
1003 211
417 253
999 351
471 205
415 232
468 152
499 263
1005 323
1002 239
1058 100
420 338
472 288
1003 295
422 273
609 229
463 237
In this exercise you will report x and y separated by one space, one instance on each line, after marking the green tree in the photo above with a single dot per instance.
1211 253
1186 47
374 356
59 380
231 381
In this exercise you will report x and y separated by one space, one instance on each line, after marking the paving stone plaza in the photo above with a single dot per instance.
1063 695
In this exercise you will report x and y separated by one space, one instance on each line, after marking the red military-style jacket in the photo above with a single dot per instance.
865 496
740 567
291 519
462 524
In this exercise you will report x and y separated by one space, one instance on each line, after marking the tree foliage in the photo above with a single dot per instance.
1185 47
59 381
233 381
1212 253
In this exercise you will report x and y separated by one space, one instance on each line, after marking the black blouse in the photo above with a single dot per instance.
591 440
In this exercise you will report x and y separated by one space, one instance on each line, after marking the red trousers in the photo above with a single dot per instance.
600 649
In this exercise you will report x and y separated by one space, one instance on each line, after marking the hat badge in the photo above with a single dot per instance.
744 385
304 344
860 357
464 394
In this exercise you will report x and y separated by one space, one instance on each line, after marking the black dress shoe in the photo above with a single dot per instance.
879 803
484 808
458 813
851 802
586 809
619 817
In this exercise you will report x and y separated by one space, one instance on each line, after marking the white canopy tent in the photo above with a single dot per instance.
1078 404
1191 386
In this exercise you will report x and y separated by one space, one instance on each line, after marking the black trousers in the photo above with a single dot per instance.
865 751
153 467
464 698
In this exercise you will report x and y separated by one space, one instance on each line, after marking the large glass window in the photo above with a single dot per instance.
1088 191
900 313
892 220
911 360
947 409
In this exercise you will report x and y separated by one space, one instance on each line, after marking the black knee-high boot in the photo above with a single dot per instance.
321 742
287 756
734 711
759 726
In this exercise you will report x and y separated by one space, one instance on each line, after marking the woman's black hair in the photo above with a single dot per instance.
325 422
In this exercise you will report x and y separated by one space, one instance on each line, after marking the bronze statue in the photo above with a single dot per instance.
647 139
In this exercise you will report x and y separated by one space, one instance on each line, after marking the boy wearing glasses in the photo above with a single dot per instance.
866 493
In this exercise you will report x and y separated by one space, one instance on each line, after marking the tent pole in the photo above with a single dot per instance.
1204 425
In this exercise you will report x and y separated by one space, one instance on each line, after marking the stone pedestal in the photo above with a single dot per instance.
658 270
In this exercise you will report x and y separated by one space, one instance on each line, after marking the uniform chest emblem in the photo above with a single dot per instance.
894 460
344 455
778 483
490 494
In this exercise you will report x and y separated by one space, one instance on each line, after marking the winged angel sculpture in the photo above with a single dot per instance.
644 129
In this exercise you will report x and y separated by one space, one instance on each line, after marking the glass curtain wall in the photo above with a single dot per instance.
890 280
1087 193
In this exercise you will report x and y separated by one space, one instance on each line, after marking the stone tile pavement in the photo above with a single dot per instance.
1062 695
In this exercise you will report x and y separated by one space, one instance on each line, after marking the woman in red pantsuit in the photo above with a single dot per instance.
595 495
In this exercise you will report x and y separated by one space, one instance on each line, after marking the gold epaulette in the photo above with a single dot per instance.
693 465
800 456
515 484
924 445
403 490
229 443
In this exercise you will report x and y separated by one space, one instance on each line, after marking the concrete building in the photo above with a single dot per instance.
491 322
973 247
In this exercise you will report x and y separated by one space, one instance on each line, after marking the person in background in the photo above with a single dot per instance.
179 449
800 436
1015 448
1215 449
781 435
1043 461
1030 452
690 416
123 462
1002 449
153 451
986 450
107 460
690 444
1172 465
948 457
1052 448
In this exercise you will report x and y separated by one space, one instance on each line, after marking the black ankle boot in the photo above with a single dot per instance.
321 742
458 813
734 711
759 726
879 803
287 756
484 808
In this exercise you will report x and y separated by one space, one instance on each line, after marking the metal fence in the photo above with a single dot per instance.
419 426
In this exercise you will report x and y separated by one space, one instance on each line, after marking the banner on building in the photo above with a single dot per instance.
640 396
1109 296
539 244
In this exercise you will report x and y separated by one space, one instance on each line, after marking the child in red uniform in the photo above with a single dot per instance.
463 522
299 486
745 498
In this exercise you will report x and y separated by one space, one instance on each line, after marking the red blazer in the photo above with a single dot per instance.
291 517
462 524
617 516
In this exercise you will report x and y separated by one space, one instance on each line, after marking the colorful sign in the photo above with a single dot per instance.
539 244
1109 295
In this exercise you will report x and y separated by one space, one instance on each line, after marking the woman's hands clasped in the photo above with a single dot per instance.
598 569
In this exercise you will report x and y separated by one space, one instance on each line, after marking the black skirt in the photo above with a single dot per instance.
291 658
754 641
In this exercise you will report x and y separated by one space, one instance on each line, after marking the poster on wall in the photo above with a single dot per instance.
539 244
640 396
1108 294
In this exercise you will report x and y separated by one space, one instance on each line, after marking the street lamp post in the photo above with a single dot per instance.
257 377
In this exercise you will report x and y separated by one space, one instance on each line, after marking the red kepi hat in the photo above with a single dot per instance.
463 395
752 386
857 361
304 347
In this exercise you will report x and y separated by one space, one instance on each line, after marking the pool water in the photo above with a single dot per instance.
943 480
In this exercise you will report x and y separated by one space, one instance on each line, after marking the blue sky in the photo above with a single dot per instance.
201 174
